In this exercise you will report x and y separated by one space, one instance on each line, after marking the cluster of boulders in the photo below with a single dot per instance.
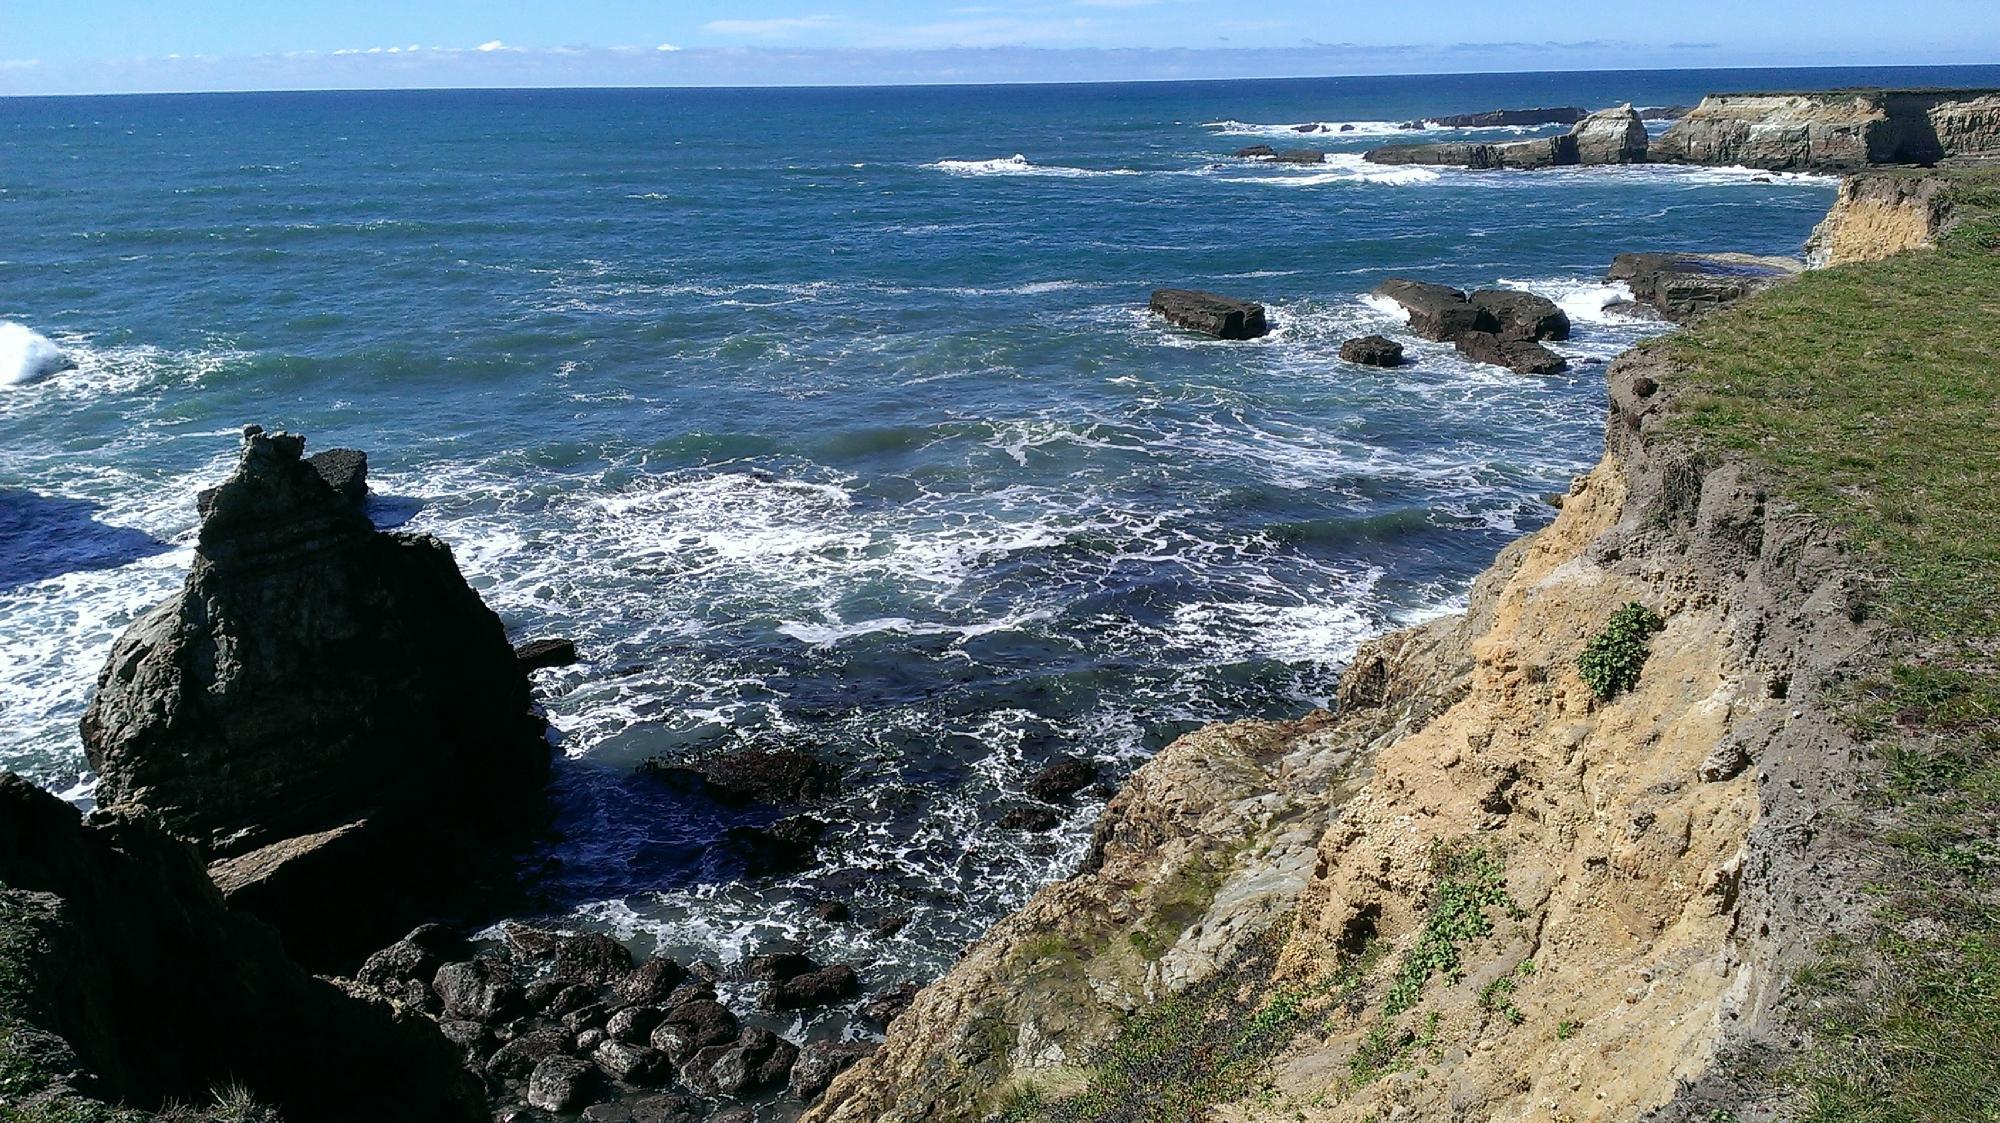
556 1022
1498 326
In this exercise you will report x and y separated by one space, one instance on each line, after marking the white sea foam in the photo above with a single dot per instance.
1339 167
1584 302
28 356
1018 164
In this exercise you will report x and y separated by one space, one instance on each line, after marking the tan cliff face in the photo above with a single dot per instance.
1655 864
1879 215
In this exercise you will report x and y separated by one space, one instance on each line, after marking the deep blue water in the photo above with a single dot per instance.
817 418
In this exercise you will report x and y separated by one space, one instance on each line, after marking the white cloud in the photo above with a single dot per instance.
766 28
493 45
667 47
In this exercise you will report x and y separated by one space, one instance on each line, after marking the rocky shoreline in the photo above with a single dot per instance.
323 700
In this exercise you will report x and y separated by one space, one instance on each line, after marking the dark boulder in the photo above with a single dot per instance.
833 912
1300 156
756 1060
1062 779
1526 155
518 1057
1437 312
1220 316
885 1006
821 1061
122 961
591 958
1035 819
667 1108
786 846
1522 315
320 701
753 775
1523 356
541 654
481 990
813 989
1256 152
1372 351
652 983
634 1025
560 1083
692 1027
1681 286
631 1064
774 967
888 926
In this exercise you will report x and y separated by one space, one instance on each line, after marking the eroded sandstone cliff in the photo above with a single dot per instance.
1881 214
1836 130
1479 890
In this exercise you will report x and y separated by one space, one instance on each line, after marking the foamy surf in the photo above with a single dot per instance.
1019 164
28 356
1584 302
1338 167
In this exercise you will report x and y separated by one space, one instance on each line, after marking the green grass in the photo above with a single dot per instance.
1871 394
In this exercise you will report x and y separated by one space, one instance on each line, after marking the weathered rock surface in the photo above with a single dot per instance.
1880 214
1300 156
1372 351
542 654
1522 315
755 775
135 983
344 469
1835 131
1522 356
1059 780
1611 136
1220 316
1681 286
820 1062
320 701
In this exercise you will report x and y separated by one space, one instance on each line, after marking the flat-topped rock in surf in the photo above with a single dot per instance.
1503 327
320 701
1681 286
1501 118
1223 317
1836 130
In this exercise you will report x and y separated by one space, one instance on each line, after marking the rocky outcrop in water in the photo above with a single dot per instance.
1681 286
1610 136
1372 351
344 469
1223 317
1498 326
328 712
1836 131
124 978
1502 118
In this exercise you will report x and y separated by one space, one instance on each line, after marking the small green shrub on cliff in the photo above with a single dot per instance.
1610 662
1469 882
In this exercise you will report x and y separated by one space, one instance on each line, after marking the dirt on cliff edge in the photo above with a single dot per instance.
1480 891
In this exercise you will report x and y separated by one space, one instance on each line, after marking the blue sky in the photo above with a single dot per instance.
92 46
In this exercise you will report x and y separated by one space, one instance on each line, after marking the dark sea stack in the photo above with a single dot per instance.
131 982
1522 356
320 703
1543 152
1372 351
1437 312
1681 286
1504 118
344 469
1220 316
1522 315
544 654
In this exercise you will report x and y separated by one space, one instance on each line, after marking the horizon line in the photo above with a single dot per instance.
1018 82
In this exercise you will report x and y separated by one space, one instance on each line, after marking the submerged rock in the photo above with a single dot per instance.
1064 778
1220 316
318 703
754 775
1372 351
1300 156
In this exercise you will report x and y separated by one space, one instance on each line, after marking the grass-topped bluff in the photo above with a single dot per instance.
1871 394
1690 818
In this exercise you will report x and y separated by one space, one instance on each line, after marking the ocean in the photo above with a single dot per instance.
826 418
